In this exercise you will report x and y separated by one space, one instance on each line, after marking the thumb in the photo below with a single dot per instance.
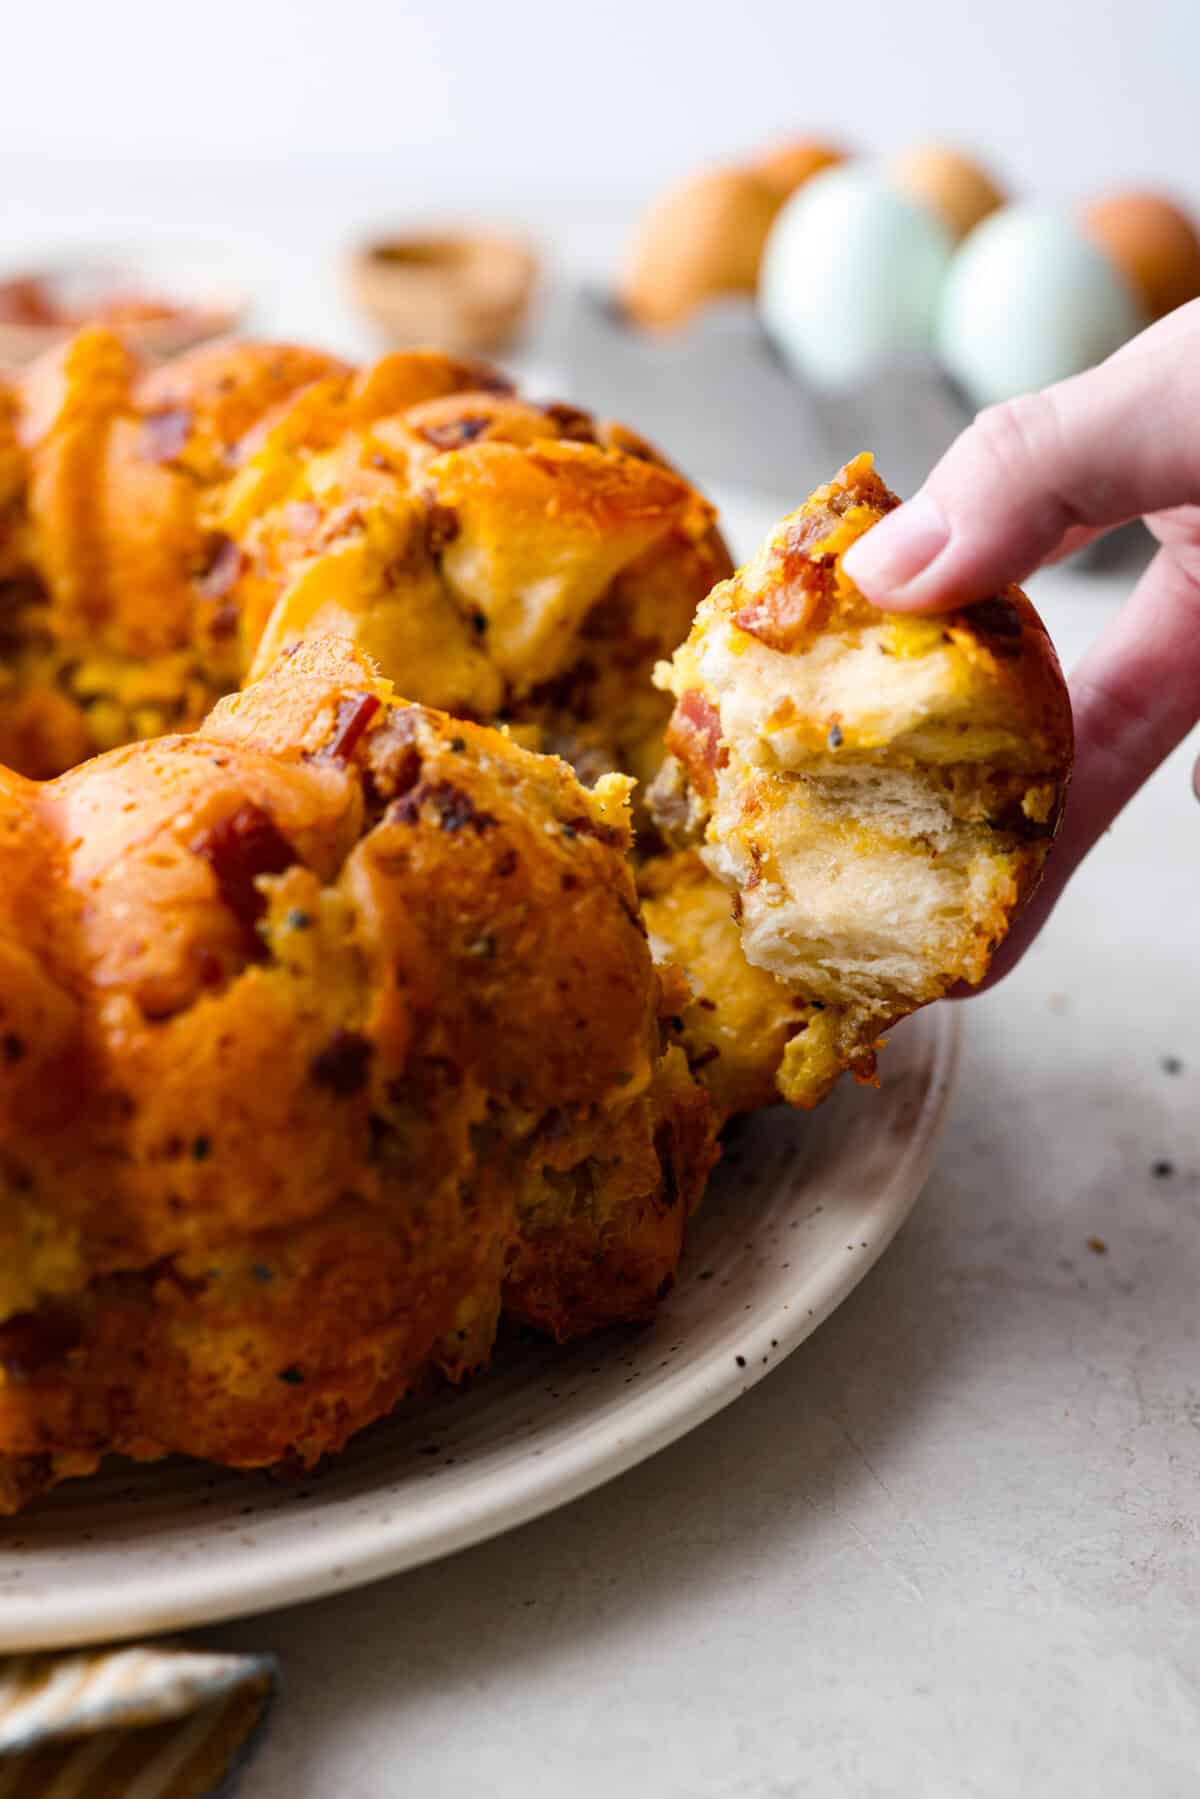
1107 446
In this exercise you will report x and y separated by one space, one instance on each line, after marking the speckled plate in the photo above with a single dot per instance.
797 1213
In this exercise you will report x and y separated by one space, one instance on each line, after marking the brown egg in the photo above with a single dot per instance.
1153 243
788 165
952 185
700 239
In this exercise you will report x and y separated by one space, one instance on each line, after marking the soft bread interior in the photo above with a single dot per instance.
862 883
862 891
906 683
877 792
732 1020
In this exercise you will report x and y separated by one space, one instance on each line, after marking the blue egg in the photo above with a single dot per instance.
851 276
1029 301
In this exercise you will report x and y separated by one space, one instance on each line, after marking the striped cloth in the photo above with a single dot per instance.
155 1722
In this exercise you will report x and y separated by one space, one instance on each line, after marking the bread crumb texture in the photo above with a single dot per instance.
877 792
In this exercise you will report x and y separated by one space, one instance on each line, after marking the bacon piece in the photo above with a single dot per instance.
222 568
792 607
694 736
342 1067
354 714
241 847
441 525
452 434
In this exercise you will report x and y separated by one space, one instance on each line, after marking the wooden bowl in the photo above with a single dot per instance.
460 290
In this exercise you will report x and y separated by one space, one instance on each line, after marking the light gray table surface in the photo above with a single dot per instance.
951 1546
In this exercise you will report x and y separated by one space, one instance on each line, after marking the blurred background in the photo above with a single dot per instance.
261 142
556 112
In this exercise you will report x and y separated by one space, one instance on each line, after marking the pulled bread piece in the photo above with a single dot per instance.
878 792
325 1031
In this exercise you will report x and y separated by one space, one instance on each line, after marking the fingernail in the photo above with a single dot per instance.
899 548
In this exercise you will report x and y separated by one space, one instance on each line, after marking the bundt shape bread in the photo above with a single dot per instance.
877 792
322 1030
337 1022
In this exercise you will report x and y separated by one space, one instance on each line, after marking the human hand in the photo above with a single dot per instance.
1034 479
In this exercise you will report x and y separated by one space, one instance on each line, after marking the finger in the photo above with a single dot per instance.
1184 321
1136 694
1092 452
1074 539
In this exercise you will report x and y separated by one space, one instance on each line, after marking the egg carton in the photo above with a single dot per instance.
719 400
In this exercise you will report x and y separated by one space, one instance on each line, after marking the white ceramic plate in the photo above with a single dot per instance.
799 1210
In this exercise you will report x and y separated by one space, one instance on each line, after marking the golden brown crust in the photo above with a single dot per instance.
226 389
794 593
797 590
13 482
600 1234
170 532
285 1006
541 534
167 534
